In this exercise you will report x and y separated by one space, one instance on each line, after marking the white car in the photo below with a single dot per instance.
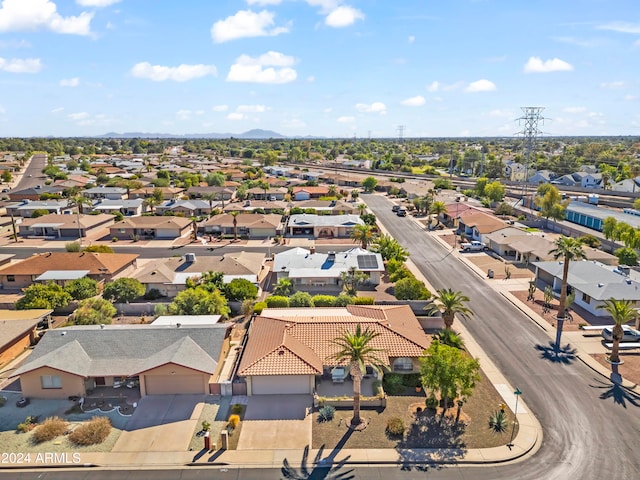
630 334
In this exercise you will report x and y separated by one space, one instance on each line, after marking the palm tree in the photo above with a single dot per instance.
438 208
622 311
567 248
152 203
356 350
362 234
77 201
361 208
333 190
448 303
284 287
210 197
235 225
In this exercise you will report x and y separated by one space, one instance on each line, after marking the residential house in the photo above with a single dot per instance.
269 194
542 176
158 360
220 192
168 193
70 226
592 282
330 207
476 225
25 208
567 181
308 268
249 225
290 351
33 194
154 228
306 193
250 206
18 331
186 208
588 180
323 226
514 171
111 193
629 185
128 208
43 266
169 275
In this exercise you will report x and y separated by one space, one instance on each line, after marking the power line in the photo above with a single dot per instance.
400 129
531 117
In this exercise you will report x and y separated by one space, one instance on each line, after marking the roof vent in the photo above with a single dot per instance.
280 352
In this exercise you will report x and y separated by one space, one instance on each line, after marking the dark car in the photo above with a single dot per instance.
23 402
395 208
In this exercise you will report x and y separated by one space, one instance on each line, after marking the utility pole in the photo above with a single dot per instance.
451 165
13 226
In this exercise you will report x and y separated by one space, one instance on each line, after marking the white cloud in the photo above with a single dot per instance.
70 82
263 3
574 109
416 101
328 110
614 84
411 39
436 86
220 108
14 44
345 119
482 85
21 65
311 79
343 16
433 86
245 24
32 15
251 108
325 5
293 123
58 110
185 114
181 73
587 43
236 116
537 65
96 3
252 69
375 107
621 27
78 116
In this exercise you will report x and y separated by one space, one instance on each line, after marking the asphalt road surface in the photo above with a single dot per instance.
37 164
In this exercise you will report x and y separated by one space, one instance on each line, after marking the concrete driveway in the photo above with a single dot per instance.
161 423
276 421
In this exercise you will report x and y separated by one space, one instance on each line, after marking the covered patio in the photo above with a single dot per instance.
326 388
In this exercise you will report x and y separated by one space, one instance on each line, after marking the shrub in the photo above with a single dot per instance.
72 247
450 338
98 249
411 289
326 413
93 432
152 294
363 300
240 289
399 274
376 387
258 307
234 420
411 380
343 300
206 426
29 424
393 384
237 408
277 301
301 299
432 402
114 239
324 301
395 427
49 429
393 265
498 422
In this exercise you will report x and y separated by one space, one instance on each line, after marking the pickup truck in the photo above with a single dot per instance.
473 246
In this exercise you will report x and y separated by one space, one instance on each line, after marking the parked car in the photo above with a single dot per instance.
474 246
395 208
23 402
630 334
401 212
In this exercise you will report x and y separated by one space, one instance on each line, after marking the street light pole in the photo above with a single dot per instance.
517 393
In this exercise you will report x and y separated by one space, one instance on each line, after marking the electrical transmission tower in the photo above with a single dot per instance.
400 129
531 117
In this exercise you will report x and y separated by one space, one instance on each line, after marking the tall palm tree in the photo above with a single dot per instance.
448 303
333 190
235 224
362 234
210 197
569 249
152 203
355 348
622 311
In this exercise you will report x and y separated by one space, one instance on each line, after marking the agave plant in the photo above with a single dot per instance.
498 421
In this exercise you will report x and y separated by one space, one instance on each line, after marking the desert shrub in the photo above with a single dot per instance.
277 301
395 427
393 265
344 300
93 432
300 299
234 420
324 301
399 274
363 300
393 384
326 413
72 247
114 239
29 424
449 337
258 307
49 429
237 408
498 422
206 426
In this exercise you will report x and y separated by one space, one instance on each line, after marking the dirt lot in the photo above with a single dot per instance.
550 317
630 369
484 262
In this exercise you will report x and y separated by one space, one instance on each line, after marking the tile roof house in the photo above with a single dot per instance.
593 283
224 192
188 208
306 193
249 206
18 331
323 226
271 193
331 207
168 193
99 266
64 226
169 275
289 351
155 228
249 225
311 269
158 360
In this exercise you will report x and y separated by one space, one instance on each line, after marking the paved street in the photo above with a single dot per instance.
35 167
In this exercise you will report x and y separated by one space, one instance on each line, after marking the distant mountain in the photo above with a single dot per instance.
256 133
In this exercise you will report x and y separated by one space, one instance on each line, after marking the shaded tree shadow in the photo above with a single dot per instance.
615 391
322 468
565 355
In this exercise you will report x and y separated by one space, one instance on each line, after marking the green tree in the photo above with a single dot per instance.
495 191
609 225
94 311
284 287
82 288
123 290
448 303
198 301
6 176
39 212
481 183
241 289
362 234
301 299
389 248
449 372
622 312
550 203
210 281
369 184
351 280
504 209
39 295
627 256
215 179
590 240
568 249
356 349
438 208
410 288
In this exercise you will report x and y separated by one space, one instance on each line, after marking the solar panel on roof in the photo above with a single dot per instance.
367 261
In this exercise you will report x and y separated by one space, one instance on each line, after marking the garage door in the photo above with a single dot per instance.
280 385
173 384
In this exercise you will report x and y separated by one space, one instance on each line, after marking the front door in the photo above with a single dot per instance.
100 382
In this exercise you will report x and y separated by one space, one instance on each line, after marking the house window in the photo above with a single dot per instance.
11 278
403 365
586 298
50 381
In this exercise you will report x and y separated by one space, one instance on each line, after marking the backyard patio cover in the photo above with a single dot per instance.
62 275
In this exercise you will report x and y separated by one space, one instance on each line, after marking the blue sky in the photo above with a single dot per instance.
318 67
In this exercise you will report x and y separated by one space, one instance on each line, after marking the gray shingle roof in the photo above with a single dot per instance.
126 350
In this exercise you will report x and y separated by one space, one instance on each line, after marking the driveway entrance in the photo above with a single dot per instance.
161 423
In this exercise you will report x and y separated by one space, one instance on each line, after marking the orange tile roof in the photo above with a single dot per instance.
318 189
96 263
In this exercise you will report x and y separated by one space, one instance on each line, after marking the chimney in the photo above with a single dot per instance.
312 249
